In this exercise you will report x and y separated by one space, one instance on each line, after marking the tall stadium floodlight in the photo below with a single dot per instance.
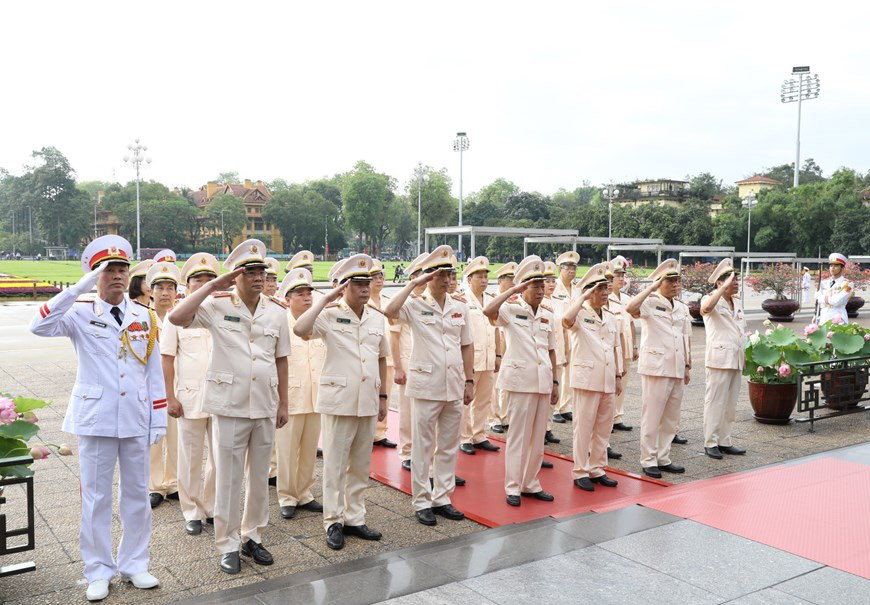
749 202
460 144
610 192
802 88
136 160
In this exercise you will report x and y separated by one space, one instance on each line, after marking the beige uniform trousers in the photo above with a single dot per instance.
381 426
524 450
297 452
476 413
195 495
593 420
500 411
619 400
242 447
721 390
405 424
436 427
566 393
347 457
163 474
660 417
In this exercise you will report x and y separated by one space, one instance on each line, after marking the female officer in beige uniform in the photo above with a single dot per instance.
663 367
377 301
562 295
505 277
527 377
723 359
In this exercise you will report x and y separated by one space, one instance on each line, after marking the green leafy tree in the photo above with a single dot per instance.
367 197
437 205
704 186
304 217
234 216
227 178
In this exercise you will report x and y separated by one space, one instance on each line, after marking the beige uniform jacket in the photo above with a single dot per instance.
616 303
596 355
725 328
663 337
306 363
385 300
191 348
529 336
483 332
350 380
242 377
560 300
436 371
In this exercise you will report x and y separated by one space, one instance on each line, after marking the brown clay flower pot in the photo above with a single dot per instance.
695 312
773 403
855 303
780 311
843 388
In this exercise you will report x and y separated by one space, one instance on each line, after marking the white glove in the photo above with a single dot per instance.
87 283
155 436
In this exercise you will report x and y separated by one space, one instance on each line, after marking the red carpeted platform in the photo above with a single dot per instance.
816 509
482 499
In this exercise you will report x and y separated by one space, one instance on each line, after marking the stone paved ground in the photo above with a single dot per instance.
187 566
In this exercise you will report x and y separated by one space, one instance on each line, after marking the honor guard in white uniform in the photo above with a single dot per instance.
163 278
297 440
440 381
400 352
835 292
616 302
567 262
377 301
486 361
246 393
505 279
349 399
725 327
551 274
272 269
596 369
165 256
527 377
663 367
117 409
186 353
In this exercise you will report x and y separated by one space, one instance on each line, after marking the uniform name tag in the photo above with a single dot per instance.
231 318
660 309
456 315
99 324
544 320
589 321
522 316
343 320
428 314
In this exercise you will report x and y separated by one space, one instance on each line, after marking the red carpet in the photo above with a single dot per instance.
483 498
816 510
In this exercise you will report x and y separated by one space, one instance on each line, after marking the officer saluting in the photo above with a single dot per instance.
562 295
117 408
500 415
377 300
835 292
272 268
246 393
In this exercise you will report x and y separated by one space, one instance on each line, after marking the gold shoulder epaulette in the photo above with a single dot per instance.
279 302
607 310
374 308
458 297
331 305
546 308
222 294
490 294
138 303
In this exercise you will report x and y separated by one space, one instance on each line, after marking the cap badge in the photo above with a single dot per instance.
113 250
444 253
202 261
362 263
254 249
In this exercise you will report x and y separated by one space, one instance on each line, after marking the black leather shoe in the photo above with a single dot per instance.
361 531
652 471
406 465
319 453
559 419
679 440
172 496
713 452
546 464
426 517
384 443
314 506
731 450
549 437
585 484
486 445
260 555
334 537
230 563
505 427
155 499
288 512
513 500
448 512
569 416
193 528
613 455
672 468
467 448
541 495
459 481
621 426
605 481
209 520
497 428
273 481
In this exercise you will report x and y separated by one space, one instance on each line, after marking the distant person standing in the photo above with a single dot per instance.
500 414
562 296
835 292
377 301
806 284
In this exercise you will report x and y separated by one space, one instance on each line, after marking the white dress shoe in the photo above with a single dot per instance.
97 590
143 580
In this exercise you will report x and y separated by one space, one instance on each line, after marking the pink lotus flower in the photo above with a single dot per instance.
811 329
8 415
768 332
64 450
38 452
759 370
867 337
836 320
784 370
830 334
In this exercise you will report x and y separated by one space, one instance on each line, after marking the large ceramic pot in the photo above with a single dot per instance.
780 311
695 312
843 388
773 403
855 303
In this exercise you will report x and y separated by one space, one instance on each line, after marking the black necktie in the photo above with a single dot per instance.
833 281
116 313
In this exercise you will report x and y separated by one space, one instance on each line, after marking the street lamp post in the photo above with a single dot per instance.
460 144
802 88
136 160
749 202
610 192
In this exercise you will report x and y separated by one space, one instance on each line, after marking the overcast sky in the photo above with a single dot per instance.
550 93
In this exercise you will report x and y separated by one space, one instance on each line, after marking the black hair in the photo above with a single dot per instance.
135 289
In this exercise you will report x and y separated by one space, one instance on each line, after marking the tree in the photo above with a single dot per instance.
234 216
695 223
704 186
850 234
227 178
164 222
437 205
525 205
367 196
304 217
784 173
50 191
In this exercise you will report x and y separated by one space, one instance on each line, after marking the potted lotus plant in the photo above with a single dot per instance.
844 385
694 279
18 425
778 278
